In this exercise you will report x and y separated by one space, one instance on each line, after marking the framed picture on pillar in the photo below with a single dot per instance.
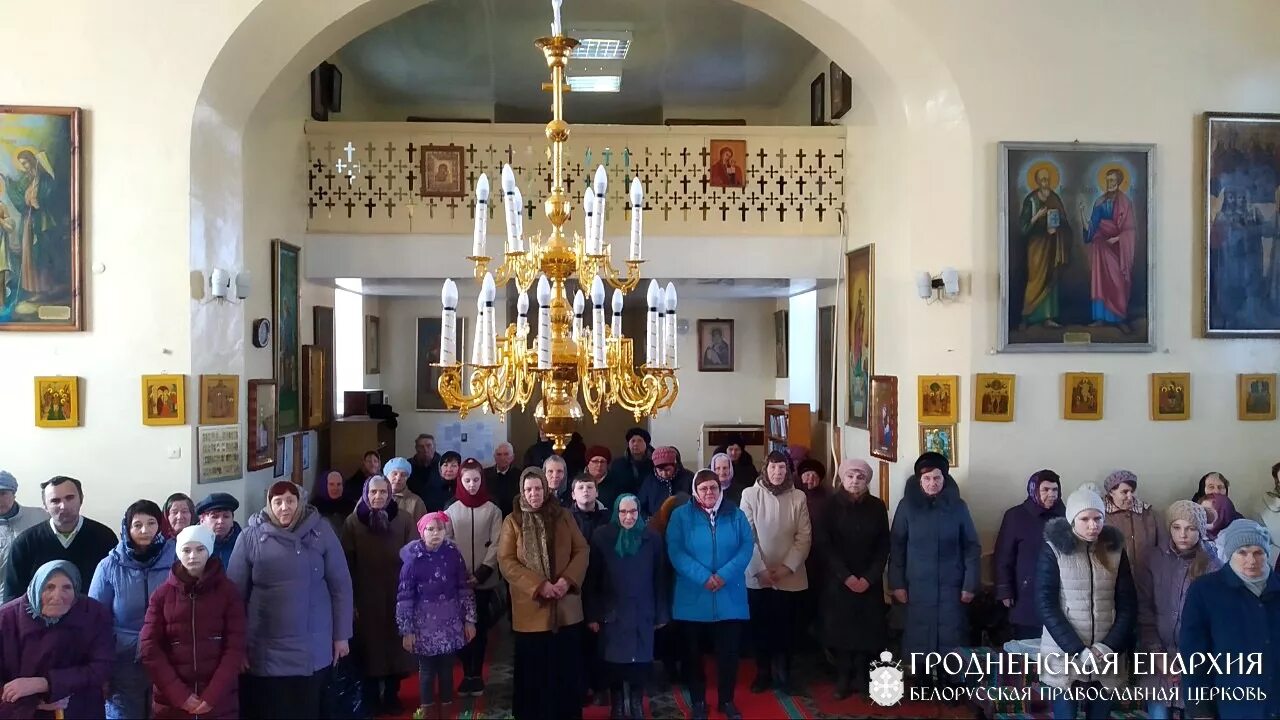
285 298
1076 231
1242 216
884 417
859 280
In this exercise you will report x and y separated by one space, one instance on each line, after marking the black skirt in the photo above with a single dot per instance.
548 675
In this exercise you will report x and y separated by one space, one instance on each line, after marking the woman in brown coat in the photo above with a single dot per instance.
543 556
371 538
1136 520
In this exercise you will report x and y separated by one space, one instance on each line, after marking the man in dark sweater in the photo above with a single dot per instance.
629 471
589 514
424 466
503 479
67 536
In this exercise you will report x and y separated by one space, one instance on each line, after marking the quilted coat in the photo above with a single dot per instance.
193 642
298 593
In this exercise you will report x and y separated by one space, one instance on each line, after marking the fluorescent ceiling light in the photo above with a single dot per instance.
601 43
596 83
602 49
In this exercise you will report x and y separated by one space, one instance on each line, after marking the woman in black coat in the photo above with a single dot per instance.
854 537
625 601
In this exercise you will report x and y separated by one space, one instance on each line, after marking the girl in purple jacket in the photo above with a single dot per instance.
435 608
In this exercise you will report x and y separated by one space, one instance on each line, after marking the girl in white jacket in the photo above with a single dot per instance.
477 522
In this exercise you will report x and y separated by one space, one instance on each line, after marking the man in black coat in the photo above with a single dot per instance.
636 463
67 536
503 479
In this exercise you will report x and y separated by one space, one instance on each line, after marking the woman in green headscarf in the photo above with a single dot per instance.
625 600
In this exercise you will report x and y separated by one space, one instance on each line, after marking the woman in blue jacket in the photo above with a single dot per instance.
124 581
710 544
1234 610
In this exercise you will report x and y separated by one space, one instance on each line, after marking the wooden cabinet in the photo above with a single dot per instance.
787 424
352 436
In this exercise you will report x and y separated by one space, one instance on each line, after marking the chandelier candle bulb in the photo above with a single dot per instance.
589 223
555 17
482 217
653 297
670 330
637 217
597 323
617 313
489 291
509 204
544 323
517 240
579 305
477 333
449 323
522 317
601 188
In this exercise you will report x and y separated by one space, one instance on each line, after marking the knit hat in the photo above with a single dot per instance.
648 439
1085 497
1243 533
599 451
438 516
665 455
1197 515
8 481
816 466
394 464
1120 476
217 501
932 461
196 533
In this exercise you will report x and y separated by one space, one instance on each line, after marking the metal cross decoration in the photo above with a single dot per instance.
349 167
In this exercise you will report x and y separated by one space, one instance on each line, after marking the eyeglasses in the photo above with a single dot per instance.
628 512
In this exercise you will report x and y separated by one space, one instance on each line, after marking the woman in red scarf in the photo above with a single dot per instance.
477 523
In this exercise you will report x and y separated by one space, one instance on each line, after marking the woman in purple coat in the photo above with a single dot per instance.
292 573
1018 546
435 608
56 648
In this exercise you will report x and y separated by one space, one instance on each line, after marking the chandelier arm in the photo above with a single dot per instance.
450 388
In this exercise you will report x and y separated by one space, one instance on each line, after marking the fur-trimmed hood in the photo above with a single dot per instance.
1059 535
914 494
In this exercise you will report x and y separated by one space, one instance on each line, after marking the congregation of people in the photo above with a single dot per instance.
604 566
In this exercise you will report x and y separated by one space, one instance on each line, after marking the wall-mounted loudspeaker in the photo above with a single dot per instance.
326 90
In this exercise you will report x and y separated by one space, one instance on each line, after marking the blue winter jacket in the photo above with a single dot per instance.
124 584
1221 616
699 550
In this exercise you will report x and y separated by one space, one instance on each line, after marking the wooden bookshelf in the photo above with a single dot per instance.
787 424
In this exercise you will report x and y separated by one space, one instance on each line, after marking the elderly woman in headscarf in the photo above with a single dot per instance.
544 558
179 511
1162 587
1222 513
744 466
854 536
1018 550
330 500
625 601
811 479
933 561
722 466
372 537
1235 609
124 581
777 576
1136 520
1212 483
56 648
292 573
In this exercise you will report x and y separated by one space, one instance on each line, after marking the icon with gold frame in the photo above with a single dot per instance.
219 399
1257 396
940 439
1082 396
939 399
164 400
994 397
58 401
1170 396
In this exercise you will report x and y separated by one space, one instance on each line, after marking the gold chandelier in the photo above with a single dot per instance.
562 355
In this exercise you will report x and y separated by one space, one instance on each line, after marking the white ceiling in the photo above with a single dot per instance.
698 53
687 288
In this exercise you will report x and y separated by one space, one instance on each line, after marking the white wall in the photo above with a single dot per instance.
718 397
